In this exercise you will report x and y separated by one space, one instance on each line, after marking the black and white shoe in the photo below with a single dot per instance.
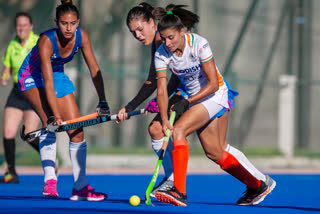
254 196
165 184
270 182
172 196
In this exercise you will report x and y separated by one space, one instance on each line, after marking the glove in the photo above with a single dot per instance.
180 107
174 99
152 106
103 108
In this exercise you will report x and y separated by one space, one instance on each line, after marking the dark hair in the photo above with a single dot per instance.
178 18
25 14
143 10
64 7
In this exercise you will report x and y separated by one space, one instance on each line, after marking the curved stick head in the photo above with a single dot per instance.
147 200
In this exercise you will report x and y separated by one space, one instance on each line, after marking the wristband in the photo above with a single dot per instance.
129 107
130 104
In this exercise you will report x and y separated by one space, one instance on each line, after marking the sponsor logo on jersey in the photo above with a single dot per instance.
28 81
193 69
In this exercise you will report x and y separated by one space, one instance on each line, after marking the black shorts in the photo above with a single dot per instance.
17 100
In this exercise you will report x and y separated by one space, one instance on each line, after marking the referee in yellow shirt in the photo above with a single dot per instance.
17 108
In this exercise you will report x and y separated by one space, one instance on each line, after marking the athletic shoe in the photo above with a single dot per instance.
270 182
254 196
165 184
172 196
50 188
87 194
9 178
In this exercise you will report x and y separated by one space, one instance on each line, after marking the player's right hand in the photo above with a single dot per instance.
58 122
166 125
3 80
122 115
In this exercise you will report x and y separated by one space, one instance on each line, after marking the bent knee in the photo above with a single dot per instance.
179 133
155 130
214 155
76 135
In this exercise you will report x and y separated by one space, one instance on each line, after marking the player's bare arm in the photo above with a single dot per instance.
92 64
45 52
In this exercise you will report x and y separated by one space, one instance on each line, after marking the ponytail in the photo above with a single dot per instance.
177 17
66 1
66 6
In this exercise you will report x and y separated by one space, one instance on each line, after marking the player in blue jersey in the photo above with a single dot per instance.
50 92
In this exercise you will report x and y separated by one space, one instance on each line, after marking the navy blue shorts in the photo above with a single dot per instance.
17 100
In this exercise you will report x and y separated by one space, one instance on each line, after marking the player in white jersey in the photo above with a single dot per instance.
189 57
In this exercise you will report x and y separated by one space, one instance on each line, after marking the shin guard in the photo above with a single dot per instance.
180 156
231 165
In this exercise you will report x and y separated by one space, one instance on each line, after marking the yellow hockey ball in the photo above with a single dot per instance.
134 200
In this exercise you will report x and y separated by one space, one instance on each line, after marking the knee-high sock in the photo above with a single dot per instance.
167 159
35 144
231 165
48 151
245 162
78 155
9 152
180 156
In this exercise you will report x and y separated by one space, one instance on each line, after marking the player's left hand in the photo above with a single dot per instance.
152 106
180 107
103 108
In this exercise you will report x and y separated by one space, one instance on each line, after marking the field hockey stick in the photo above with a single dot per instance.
80 122
159 163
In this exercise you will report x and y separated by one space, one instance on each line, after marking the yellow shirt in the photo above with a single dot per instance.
15 53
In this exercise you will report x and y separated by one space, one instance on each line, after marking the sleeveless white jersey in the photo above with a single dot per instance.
188 67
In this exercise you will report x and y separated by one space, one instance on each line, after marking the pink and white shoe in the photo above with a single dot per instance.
50 188
87 193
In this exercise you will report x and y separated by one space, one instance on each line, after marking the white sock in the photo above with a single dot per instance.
47 147
245 162
78 155
167 159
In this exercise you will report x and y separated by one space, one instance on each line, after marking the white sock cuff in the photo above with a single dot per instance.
48 139
157 144
76 146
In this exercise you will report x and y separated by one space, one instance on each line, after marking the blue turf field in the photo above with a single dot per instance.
206 194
